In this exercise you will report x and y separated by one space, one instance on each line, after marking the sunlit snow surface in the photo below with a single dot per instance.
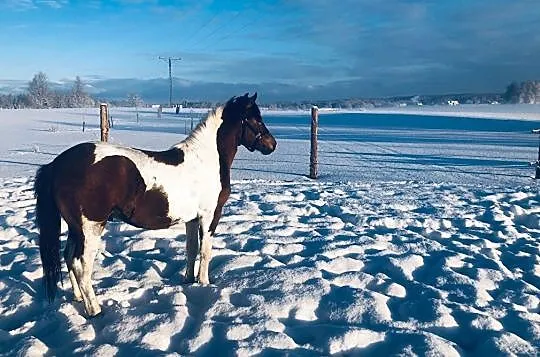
421 238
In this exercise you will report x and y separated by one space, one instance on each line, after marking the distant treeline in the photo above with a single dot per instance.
40 95
527 92
488 98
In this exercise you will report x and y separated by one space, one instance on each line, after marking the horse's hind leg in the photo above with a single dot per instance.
84 264
192 248
206 249
73 243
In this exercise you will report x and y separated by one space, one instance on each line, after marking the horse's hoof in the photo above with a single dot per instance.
204 282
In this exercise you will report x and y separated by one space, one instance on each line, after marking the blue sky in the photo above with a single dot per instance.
349 48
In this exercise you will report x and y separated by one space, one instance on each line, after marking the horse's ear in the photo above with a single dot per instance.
254 97
246 95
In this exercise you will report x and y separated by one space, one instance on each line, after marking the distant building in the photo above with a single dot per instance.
453 102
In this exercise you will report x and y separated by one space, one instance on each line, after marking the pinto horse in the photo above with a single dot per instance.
190 182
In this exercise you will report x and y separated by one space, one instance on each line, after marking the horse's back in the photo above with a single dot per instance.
149 189
95 187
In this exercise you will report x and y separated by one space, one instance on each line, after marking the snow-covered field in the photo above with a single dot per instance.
415 241
491 111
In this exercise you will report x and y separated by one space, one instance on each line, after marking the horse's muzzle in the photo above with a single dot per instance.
267 145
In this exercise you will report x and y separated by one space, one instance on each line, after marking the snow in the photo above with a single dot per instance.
490 111
415 241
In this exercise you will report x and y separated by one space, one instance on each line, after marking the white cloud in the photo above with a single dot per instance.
23 5
55 4
19 4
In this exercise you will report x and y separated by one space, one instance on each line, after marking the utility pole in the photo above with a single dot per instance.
170 59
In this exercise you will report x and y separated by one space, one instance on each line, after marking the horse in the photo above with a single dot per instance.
91 182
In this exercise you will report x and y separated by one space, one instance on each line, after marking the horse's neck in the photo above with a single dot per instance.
212 137
203 137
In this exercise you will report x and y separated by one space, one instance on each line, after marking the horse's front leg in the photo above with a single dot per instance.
206 249
192 248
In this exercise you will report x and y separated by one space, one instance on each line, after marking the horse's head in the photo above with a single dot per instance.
244 114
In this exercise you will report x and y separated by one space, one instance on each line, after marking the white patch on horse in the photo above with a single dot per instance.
193 186
206 248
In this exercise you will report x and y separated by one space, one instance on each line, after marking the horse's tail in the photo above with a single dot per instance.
48 222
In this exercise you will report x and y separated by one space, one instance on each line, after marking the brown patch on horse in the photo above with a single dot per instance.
222 199
121 187
112 185
152 210
173 156
69 172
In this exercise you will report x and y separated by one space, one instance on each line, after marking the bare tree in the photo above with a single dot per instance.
134 100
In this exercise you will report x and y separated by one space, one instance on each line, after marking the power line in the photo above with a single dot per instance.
170 59
193 36
228 35
220 27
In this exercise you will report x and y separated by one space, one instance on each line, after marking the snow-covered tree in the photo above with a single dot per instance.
21 101
527 92
38 91
78 97
6 101
135 100
59 99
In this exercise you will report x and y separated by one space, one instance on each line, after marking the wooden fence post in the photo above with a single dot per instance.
537 163
104 122
83 120
313 160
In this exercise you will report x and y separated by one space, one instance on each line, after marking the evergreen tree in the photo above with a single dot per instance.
512 93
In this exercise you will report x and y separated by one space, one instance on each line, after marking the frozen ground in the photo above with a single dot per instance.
353 147
416 241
